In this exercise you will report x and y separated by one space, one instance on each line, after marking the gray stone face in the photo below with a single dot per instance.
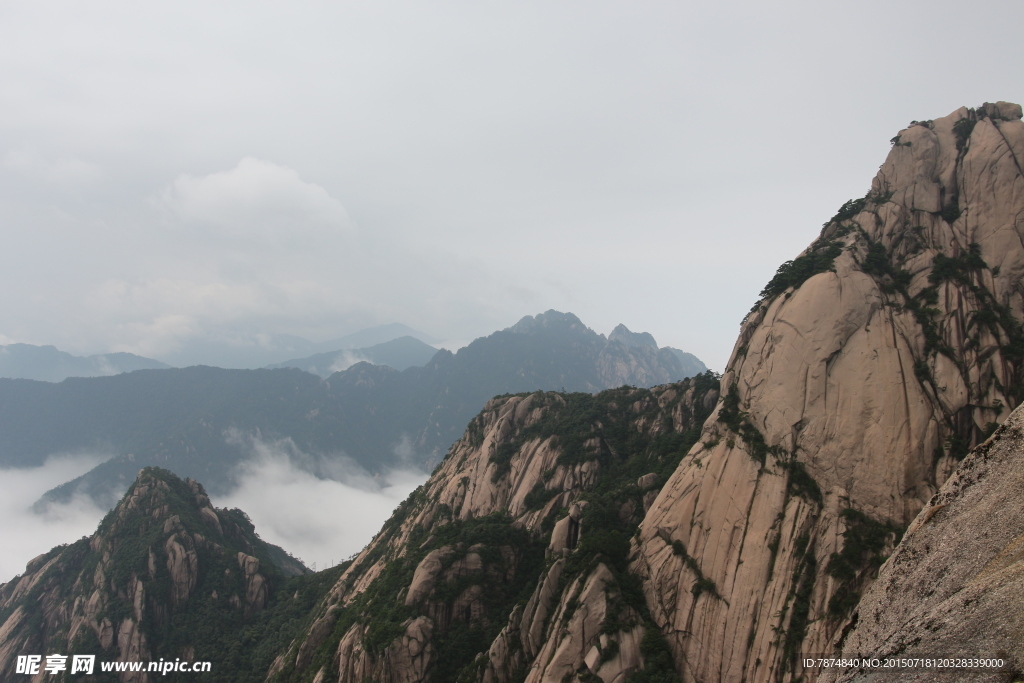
955 585
875 374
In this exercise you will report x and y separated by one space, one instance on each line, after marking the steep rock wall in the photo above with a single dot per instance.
871 365
499 567
955 585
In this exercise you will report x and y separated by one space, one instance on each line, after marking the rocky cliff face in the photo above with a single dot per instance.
871 365
510 562
955 585
163 576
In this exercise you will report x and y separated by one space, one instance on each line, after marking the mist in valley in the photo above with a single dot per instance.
322 509
28 532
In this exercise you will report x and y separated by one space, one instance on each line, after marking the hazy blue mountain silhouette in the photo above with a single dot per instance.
50 364
399 354
199 421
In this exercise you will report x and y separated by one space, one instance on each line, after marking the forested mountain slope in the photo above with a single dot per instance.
166 575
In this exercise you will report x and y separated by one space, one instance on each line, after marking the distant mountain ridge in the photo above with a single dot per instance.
692 366
50 364
550 351
400 353
249 350
372 336
199 422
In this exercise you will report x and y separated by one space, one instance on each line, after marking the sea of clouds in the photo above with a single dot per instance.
320 508
25 533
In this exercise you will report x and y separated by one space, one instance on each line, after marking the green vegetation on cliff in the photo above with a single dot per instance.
483 567
178 578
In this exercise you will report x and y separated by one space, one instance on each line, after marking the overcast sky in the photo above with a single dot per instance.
182 173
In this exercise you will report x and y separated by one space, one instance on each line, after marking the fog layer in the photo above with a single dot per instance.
24 533
320 509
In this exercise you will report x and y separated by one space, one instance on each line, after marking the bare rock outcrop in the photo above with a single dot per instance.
578 639
955 585
183 566
257 589
579 630
874 361
506 515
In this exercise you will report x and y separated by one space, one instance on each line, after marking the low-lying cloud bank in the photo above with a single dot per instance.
24 534
320 509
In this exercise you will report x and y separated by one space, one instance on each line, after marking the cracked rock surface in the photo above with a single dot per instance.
873 363
955 585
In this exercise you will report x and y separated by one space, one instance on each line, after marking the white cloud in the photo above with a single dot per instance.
155 316
320 509
346 359
258 200
25 534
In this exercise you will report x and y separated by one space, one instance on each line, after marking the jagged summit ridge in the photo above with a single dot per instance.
549 320
623 334
623 357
